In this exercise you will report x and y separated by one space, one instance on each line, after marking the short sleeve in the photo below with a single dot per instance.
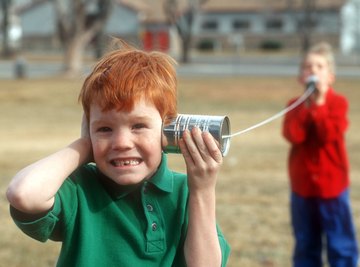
225 248
42 228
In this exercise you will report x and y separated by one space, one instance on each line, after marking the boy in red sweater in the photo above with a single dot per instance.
319 169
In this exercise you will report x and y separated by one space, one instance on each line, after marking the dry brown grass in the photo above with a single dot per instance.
40 116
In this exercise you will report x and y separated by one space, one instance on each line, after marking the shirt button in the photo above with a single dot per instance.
145 188
154 226
149 207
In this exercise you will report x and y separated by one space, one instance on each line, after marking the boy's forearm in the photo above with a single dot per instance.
202 246
32 190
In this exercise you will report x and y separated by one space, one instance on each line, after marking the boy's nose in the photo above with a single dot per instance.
122 140
313 69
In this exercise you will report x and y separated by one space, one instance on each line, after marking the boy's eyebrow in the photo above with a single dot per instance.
96 121
142 117
131 117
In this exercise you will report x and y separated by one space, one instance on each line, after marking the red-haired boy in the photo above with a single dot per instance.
129 208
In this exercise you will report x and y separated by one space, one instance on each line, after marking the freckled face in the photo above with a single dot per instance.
317 65
126 145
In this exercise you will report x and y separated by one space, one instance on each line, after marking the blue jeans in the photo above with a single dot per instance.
323 223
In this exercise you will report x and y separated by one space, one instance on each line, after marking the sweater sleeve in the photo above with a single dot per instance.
295 124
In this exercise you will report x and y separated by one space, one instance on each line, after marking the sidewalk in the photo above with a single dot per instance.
249 64
259 65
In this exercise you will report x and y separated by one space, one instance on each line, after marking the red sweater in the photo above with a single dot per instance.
318 163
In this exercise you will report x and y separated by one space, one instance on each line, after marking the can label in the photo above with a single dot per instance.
217 126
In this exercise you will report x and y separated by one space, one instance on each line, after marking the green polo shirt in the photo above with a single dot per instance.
103 224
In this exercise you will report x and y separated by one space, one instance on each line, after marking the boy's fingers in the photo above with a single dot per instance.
213 147
202 146
184 144
191 145
84 127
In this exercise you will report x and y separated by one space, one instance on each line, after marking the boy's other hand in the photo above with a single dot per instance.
85 134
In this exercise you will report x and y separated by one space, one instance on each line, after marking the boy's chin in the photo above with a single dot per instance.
127 180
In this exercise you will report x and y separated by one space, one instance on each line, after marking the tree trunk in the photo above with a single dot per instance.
5 5
77 27
73 58
185 50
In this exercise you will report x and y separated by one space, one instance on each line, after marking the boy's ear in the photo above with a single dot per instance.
164 141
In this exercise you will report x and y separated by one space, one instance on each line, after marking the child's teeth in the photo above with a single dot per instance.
126 162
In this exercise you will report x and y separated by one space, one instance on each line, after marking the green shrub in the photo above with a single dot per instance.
206 45
271 45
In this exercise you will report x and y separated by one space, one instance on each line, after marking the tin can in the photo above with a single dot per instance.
217 126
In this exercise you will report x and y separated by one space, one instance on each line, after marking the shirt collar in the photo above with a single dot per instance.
162 179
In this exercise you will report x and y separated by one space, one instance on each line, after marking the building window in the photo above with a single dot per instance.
307 24
241 25
210 25
274 24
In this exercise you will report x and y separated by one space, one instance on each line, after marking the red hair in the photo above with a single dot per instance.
124 76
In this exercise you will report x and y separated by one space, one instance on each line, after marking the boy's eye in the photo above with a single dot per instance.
104 129
139 126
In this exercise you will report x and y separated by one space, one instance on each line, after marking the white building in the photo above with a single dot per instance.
252 23
350 31
228 24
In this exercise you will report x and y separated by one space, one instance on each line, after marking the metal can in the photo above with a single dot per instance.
217 126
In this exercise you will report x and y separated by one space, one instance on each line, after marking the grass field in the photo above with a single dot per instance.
41 116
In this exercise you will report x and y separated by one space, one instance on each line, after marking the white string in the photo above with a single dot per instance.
301 99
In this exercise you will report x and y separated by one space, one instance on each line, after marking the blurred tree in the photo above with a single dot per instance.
308 23
79 22
183 21
5 7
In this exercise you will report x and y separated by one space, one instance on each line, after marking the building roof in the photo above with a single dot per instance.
153 11
275 5
148 11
